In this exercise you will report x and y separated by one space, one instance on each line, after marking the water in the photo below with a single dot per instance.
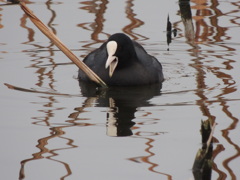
57 130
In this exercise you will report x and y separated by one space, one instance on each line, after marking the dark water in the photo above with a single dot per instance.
53 129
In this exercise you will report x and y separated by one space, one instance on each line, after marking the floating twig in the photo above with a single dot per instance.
10 86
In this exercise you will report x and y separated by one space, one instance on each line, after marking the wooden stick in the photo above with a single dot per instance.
203 161
36 91
61 46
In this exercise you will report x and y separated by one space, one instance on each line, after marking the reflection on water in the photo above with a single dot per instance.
46 74
97 25
98 8
216 34
50 154
212 54
122 102
134 22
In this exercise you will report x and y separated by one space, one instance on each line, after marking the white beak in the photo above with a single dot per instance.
112 60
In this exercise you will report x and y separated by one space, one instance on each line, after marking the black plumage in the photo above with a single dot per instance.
121 61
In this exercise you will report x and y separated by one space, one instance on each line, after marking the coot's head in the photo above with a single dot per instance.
120 51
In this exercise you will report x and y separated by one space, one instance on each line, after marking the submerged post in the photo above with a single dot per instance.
202 166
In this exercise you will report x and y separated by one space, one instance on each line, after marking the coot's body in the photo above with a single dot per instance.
123 62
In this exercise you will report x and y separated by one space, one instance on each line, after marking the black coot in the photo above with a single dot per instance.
121 61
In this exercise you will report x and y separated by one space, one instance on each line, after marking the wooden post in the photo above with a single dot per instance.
202 166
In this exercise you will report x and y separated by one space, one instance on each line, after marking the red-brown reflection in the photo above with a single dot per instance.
1 25
208 32
97 29
97 26
45 74
148 150
134 22
56 132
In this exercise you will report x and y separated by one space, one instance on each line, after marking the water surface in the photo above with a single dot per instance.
59 130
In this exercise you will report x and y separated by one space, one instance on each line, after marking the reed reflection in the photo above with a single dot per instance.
134 22
96 27
1 25
152 166
45 74
99 8
211 33
50 154
217 34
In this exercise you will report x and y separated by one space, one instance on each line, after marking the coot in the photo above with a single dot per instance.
121 61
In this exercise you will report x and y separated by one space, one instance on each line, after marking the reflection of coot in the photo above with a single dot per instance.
122 102
123 62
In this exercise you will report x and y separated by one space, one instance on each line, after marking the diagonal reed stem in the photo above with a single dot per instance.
44 29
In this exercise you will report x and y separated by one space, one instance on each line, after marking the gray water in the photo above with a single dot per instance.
52 129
